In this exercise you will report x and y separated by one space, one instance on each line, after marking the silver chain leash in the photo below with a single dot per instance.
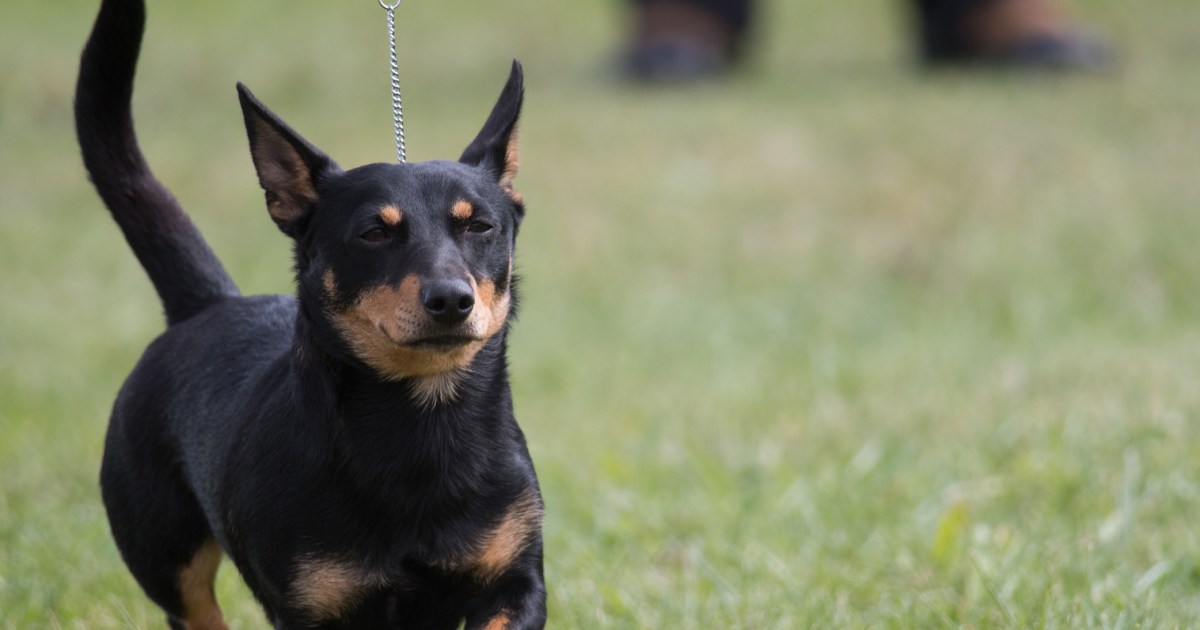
397 104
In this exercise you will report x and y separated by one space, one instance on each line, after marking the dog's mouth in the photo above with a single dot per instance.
441 342
437 342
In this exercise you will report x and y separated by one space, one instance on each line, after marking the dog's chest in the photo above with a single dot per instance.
329 585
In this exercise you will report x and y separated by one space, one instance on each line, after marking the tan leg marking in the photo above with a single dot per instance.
196 587
499 622
500 547
327 589
391 215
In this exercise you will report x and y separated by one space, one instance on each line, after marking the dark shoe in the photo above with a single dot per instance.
1021 34
1074 51
673 61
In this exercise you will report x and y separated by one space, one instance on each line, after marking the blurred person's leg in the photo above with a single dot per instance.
676 40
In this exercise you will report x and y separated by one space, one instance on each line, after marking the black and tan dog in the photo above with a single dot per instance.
352 449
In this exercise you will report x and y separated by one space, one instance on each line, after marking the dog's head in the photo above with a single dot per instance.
410 266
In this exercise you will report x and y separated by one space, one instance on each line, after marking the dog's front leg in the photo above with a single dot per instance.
517 602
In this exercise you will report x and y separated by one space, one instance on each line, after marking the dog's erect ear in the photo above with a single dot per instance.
289 167
495 148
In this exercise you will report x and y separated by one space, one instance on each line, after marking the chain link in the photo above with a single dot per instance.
397 104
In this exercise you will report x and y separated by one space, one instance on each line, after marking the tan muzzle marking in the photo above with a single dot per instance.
381 324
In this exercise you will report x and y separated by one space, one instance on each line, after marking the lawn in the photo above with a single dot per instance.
836 343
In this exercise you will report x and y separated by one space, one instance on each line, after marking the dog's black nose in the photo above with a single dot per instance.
447 301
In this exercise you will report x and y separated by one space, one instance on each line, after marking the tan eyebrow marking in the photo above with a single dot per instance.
391 215
462 210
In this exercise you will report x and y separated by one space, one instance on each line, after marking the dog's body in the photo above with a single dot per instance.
353 449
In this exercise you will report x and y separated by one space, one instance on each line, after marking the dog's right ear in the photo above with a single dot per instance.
290 169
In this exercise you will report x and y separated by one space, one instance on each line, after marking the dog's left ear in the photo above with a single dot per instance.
495 148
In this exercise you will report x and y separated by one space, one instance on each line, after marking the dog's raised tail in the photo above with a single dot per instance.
185 272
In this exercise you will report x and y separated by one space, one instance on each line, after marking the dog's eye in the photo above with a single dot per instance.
479 227
374 235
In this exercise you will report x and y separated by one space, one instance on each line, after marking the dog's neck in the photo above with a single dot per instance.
394 436
466 395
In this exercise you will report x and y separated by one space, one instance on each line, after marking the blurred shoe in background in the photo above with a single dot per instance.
1022 34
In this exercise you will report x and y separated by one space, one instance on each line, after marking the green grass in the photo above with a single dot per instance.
834 344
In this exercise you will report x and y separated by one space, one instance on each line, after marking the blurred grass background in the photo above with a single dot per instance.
837 343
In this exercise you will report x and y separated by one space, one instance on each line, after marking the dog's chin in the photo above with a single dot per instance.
436 346
399 354
422 357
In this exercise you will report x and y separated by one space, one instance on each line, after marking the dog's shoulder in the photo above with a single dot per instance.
201 363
